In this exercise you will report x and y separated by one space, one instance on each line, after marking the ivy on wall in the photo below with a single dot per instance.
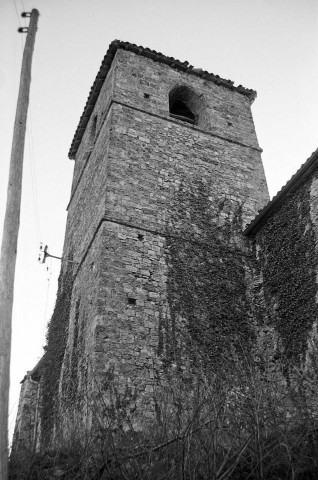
207 259
70 387
288 262
54 354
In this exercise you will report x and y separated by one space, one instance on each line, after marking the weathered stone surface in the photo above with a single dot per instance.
27 427
286 248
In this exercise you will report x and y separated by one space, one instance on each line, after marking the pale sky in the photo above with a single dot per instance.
270 46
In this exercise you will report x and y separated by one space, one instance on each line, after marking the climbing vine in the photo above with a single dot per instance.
54 354
288 263
207 261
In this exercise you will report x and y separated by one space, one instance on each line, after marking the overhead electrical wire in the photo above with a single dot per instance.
20 25
13 406
24 9
33 178
31 147
49 271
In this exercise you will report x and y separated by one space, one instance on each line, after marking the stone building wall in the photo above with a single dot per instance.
95 124
222 111
286 276
27 426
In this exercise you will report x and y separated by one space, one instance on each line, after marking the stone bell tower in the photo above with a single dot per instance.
167 173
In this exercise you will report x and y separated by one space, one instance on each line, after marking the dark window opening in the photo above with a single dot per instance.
140 237
131 301
184 104
179 110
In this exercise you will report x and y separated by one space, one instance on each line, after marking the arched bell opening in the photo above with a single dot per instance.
184 104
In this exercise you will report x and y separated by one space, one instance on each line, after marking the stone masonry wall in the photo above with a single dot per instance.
286 249
77 380
28 419
149 158
87 204
93 128
226 113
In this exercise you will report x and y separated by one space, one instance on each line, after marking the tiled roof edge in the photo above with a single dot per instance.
157 57
296 180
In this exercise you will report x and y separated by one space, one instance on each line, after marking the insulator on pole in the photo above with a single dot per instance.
23 29
26 14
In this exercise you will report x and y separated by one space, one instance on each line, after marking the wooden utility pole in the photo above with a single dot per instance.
10 237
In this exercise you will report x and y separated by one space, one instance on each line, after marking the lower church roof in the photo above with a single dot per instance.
296 180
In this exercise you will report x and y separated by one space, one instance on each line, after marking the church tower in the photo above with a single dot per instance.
167 174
